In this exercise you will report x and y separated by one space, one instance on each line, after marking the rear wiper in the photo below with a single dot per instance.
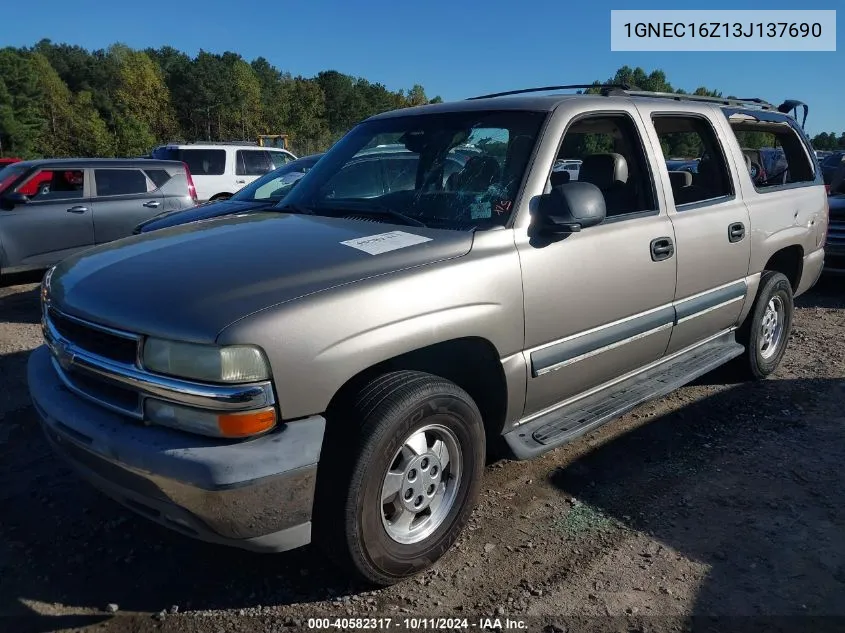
294 208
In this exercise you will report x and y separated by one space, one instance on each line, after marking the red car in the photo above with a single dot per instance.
39 184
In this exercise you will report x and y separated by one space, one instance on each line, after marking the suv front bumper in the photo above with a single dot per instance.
254 494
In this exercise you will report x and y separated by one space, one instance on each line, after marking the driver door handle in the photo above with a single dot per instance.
152 204
662 248
78 209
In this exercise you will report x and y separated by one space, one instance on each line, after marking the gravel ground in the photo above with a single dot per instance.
719 500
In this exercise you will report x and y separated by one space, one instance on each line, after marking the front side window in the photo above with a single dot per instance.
121 182
280 158
457 170
53 184
611 156
693 137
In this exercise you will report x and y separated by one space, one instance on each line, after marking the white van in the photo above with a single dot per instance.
221 169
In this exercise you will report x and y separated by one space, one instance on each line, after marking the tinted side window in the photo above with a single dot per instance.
692 137
252 162
204 162
357 180
613 159
120 182
48 184
158 176
777 153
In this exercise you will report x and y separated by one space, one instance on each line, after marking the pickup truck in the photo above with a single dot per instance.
338 370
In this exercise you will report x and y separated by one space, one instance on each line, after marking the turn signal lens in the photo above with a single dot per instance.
246 424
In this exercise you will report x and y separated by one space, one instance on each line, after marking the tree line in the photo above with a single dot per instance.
64 100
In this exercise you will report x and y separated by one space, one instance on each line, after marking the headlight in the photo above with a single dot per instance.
211 363
232 425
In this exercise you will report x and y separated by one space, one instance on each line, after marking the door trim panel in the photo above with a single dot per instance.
710 300
586 344
561 353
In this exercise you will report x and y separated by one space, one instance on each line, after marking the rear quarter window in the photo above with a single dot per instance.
159 176
201 162
778 154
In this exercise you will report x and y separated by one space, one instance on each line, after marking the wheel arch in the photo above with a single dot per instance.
472 363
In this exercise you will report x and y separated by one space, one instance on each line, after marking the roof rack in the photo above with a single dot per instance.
606 89
731 101
610 90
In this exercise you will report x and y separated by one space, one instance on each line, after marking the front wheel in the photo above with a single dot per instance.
394 498
766 329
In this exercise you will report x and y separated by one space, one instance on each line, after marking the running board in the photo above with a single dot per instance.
557 427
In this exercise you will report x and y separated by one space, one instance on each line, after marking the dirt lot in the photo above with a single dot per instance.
720 500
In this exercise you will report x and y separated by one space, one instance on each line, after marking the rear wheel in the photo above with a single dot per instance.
396 488
766 329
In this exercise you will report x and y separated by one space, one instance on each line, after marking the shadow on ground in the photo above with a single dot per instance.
20 307
748 481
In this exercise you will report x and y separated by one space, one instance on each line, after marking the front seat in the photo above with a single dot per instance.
609 172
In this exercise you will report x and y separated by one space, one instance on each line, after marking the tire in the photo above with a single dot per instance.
359 527
765 341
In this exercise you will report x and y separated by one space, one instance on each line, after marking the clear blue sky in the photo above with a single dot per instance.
453 48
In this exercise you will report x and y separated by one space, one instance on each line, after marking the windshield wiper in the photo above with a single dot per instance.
294 208
392 213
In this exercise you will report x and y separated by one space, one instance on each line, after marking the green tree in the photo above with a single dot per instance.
22 95
143 101
58 137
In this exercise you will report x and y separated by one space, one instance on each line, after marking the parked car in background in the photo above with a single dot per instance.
257 196
571 167
834 261
78 203
682 164
221 169
830 164
9 161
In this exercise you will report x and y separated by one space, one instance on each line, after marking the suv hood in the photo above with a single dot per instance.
189 282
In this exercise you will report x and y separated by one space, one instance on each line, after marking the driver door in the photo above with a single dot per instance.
598 303
55 223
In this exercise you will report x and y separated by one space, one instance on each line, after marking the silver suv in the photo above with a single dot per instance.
336 369
50 209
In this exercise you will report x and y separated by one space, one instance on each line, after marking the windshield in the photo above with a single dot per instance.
273 186
10 174
457 170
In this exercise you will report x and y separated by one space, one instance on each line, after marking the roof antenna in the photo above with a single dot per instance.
791 106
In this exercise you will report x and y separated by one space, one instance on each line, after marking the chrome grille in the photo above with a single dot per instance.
94 339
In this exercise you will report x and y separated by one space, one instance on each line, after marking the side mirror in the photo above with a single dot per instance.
11 200
570 207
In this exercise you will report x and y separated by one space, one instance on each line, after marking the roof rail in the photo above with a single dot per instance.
732 101
606 89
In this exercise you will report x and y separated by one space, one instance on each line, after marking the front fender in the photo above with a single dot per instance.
319 342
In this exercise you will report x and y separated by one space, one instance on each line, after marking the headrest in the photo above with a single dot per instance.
604 170
680 179
479 173
559 178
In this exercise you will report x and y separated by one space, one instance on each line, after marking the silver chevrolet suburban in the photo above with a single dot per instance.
337 368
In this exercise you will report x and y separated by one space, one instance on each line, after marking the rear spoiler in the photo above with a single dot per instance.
790 106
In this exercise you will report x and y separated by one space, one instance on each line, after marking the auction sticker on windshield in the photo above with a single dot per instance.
385 242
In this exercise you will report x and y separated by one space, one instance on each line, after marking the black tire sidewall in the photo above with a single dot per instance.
387 560
774 284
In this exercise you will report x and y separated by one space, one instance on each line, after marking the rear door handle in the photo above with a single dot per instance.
736 232
78 209
152 204
662 248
